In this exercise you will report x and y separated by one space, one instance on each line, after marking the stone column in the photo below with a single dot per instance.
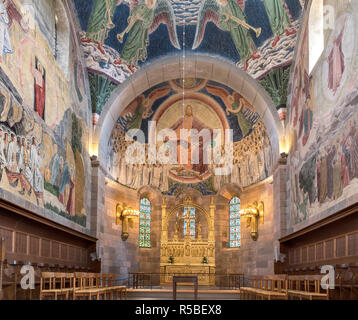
280 195
97 204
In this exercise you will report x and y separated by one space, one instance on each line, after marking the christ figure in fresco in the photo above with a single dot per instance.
336 63
279 19
190 122
39 75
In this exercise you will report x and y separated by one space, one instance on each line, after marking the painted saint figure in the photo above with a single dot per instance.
5 44
336 63
39 75
279 19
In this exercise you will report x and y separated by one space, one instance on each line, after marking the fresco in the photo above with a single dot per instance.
121 36
323 119
41 131
206 104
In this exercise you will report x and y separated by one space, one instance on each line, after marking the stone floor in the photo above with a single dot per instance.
183 293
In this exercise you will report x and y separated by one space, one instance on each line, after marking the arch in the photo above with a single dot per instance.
194 66
193 205
153 194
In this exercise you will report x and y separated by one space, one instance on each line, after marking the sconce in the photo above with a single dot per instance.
122 214
254 214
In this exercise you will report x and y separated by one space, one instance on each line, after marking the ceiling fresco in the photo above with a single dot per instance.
119 36
204 104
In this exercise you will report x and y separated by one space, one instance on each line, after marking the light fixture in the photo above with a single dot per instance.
254 214
123 213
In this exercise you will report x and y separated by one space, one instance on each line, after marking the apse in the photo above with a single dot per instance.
191 104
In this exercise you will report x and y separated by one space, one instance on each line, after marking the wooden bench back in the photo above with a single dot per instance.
47 281
313 284
277 282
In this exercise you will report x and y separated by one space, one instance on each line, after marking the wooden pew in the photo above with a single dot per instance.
109 282
86 285
307 287
272 287
54 285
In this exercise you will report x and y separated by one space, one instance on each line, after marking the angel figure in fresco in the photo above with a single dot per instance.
228 15
139 109
279 19
100 22
336 62
143 20
236 105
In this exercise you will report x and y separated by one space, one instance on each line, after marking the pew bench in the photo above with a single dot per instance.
272 287
307 287
54 285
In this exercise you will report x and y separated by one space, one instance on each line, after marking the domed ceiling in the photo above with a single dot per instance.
120 36
203 105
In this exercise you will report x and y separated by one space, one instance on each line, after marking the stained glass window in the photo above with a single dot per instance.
189 213
145 212
235 234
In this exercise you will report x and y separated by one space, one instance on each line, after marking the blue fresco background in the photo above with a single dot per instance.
159 43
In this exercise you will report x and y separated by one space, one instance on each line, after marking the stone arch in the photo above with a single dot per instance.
152 194
194 66
227 192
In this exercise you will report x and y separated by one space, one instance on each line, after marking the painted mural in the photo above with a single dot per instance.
324 119
120 36
206 104
41 129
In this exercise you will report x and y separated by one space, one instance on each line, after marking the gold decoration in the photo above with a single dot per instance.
188 253
254 214
123 213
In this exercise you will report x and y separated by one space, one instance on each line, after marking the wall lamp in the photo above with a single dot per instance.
254 214
123 213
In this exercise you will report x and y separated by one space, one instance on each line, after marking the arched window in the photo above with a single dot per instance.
235 228
189 219
145 213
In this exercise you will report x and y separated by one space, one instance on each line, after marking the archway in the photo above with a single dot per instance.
194 66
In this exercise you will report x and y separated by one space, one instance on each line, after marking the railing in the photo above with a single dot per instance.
147 280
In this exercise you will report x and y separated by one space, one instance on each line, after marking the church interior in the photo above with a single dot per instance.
209 144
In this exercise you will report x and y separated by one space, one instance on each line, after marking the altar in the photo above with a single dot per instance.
188 243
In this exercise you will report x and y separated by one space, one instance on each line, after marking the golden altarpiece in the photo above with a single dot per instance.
184 252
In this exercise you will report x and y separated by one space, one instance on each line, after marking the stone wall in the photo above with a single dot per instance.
124 257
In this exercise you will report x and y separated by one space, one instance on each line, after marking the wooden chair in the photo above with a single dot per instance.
87 287
52 286
308 287
270 287
122 290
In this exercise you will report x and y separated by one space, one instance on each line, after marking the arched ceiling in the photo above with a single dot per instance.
258 36
210 85
203 105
